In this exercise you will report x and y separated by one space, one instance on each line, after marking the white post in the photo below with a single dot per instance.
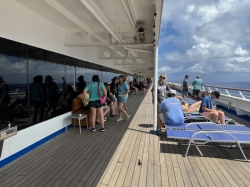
100 76
155 88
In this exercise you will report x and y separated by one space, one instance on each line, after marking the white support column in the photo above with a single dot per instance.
155 89
74 78
100 76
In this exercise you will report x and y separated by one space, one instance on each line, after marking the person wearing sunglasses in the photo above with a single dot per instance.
209 110
162 89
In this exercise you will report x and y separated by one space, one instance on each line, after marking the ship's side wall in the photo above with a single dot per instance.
30 138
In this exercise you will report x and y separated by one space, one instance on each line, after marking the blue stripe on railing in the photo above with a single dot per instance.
31 147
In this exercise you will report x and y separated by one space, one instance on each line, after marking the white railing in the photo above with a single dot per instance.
233 98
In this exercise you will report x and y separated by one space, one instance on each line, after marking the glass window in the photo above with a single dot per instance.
14 105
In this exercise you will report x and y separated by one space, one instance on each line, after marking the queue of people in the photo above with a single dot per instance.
114 93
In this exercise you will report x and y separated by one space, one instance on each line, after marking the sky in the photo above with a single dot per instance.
210 38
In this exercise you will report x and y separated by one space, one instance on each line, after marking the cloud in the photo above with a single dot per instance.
212 36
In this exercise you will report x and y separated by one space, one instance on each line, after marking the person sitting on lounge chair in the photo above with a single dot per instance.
208 109
171 110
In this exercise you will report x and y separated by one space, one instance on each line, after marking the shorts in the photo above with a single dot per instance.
196 92
122 100
205 114
185 92
95 104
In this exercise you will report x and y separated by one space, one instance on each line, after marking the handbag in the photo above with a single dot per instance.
102 99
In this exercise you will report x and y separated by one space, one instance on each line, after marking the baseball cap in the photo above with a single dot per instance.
173 91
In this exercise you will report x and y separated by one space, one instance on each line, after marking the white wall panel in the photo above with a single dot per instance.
33 134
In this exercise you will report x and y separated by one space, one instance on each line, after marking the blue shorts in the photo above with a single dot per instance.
185 92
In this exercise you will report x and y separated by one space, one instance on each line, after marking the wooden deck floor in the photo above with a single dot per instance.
111 158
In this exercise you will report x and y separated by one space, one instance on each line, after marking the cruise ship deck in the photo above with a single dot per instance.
111 158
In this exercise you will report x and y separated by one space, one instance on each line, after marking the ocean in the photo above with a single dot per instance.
239 85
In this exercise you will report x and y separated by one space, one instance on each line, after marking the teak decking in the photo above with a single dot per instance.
111 158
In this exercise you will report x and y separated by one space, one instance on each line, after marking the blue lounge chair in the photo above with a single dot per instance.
208 126
192 115
204 137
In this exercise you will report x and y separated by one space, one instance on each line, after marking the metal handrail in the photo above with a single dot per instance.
228 88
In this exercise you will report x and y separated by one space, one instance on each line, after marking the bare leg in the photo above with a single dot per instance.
93 116
121 110
213 116
101 117
222 117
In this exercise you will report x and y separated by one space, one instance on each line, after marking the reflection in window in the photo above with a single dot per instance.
14 107
48 96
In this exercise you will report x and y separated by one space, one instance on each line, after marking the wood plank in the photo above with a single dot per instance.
111 158
58 183
128 152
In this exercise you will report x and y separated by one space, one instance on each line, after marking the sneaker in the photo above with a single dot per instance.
119 119
93 129
127 118
105 118
103 129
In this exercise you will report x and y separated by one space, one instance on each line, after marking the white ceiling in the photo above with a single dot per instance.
109 25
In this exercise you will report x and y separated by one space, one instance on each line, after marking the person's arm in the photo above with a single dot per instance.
168 87
84 95
104 90
205 109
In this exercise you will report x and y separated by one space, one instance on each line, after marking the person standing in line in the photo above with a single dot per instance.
37 90
145 86
185 87
197 86
94 100
162 88
51 95
80 84
123 91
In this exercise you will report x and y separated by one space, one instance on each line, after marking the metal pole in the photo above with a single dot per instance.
101 76
155 88
74 78
28 81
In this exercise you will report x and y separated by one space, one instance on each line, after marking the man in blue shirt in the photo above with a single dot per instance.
197 86
208 109
171 108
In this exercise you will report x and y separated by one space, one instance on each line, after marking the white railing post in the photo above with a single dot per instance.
241 94
155 88
227 92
